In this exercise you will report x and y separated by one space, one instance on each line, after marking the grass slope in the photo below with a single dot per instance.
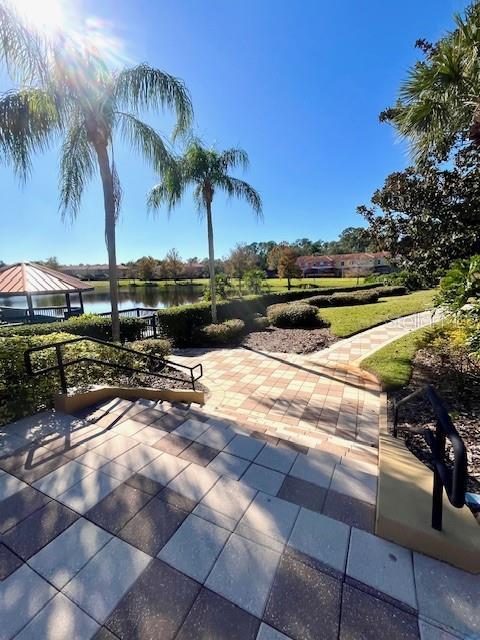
346 321
393 363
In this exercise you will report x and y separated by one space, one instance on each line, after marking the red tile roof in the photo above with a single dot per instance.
27 277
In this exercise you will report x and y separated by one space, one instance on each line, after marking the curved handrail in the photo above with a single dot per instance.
453 480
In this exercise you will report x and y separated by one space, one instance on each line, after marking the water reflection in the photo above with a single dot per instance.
98 301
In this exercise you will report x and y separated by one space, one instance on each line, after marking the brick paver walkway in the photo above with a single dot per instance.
148 520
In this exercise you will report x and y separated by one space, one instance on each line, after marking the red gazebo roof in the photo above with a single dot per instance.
24 278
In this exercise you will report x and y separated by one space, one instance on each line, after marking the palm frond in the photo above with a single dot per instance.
143 87
29 121
22 50
232 158
169 191
76 167
146 140
241 189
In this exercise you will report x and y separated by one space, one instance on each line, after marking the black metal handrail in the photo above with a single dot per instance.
454 480
62 365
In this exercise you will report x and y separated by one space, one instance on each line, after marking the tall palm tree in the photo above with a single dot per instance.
206 170
87 102
439 104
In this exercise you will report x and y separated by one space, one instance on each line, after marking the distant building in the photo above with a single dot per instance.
345 264
94 271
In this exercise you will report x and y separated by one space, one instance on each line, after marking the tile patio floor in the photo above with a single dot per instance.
141 520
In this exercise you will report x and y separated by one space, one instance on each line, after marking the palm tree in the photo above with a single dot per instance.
206 170
87 102
439 105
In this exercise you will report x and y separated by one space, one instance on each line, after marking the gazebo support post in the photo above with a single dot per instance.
31 312
69 304
81 301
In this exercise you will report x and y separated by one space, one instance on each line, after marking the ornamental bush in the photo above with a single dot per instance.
89 324
341 299
260 323
153 347
228 332
292 316
394 290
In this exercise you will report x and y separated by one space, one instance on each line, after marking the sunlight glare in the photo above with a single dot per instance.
46 16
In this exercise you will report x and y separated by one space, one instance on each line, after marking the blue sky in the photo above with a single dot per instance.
299 85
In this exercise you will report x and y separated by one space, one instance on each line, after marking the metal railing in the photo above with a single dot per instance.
150 330
61 365
452 479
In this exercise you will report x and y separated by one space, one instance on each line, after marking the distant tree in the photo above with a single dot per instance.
146 268
275 253
190 269
260 250
240 260
287 265
132 270
51 263
207 171
173 264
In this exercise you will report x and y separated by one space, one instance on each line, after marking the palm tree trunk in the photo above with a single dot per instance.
211 262
109 203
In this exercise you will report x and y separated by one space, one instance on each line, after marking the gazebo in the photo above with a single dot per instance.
29 279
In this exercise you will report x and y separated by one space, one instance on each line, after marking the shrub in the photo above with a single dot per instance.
341 299
89 324
260 323
460 288
254 280
413 281
181 324
153 347
292 315
393 290
227 332
22 395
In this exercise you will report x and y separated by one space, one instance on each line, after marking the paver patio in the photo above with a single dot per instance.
221 527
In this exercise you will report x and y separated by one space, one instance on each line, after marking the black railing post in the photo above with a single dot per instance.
61 368
437 497
154 325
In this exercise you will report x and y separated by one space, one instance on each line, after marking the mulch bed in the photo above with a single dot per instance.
459 387
289 340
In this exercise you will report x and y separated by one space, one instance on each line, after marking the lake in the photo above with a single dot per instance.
98 301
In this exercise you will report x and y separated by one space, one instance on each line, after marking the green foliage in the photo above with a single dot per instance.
88 324
255 280
180 324
346 298
226 333
222 288
460 287
21 395
427 217
260 323
153 347
292 316
392 290
411 280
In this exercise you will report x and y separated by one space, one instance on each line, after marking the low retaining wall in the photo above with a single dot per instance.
404 507
77 402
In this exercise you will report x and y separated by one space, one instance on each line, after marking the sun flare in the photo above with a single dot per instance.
47 16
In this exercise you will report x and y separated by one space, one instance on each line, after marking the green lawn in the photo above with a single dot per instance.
272 283
346 321
393 364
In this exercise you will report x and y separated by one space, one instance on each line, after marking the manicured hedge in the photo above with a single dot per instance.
394 290
89 325
344 299
226 333
181 324
292 316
